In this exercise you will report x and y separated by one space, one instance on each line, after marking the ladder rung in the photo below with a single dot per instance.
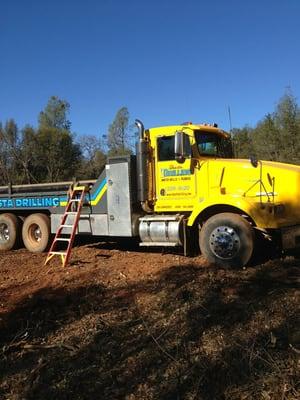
63 239
74 200
71 212
66 226
58 252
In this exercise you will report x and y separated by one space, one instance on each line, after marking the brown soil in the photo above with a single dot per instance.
128 323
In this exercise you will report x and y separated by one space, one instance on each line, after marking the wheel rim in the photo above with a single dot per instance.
35 233
224 242
4 232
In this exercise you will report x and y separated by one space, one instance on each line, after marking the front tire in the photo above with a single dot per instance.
227 240
36 232
9 231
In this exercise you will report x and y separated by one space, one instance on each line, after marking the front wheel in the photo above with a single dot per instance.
36 232
227 240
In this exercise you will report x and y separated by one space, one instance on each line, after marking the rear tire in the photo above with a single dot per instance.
10 231
36 232
227 240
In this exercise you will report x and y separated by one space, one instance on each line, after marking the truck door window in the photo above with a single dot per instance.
165 148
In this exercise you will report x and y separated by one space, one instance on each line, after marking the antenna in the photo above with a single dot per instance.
233 142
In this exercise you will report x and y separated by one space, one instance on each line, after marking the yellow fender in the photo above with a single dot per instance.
253 210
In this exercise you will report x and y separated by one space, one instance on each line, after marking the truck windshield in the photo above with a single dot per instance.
210 144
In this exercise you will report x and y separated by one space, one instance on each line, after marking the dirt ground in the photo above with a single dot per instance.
123 322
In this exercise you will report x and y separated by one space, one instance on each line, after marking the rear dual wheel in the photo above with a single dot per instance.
227 240
10 231
36 232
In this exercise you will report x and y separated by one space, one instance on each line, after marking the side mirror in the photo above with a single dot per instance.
182 147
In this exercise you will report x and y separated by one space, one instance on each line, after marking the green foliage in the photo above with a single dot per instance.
10 151
50 153
276 137
4 167
93 160
27 154
242 142
55 114
56 157
118 140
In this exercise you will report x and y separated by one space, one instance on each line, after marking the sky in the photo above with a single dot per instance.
167 61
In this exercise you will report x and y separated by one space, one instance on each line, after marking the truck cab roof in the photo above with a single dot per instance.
170 129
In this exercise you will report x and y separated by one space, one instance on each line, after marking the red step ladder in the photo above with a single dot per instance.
73 208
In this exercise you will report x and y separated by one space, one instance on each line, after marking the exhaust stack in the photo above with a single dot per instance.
142 156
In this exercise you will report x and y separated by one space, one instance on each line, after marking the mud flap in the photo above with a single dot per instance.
291 237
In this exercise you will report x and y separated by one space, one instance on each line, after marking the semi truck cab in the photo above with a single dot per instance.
226 202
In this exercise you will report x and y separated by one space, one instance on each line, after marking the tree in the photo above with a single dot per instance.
16 152
4 176
266 139
30 164
10 152
94 157
118 134
57 157
242 143
55 114
276 137
287 121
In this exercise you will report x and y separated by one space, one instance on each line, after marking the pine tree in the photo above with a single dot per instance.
118 134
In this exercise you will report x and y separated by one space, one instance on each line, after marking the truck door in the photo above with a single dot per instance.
175 181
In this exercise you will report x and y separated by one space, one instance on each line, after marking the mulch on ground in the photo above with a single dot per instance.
124 323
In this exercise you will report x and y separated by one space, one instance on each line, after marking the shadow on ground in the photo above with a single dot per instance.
188 333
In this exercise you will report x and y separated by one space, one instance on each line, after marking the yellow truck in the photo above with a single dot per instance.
230 204
182 188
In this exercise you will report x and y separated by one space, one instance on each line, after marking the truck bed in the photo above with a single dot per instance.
41 196
55 187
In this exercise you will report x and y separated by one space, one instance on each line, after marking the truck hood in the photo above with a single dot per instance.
270 182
